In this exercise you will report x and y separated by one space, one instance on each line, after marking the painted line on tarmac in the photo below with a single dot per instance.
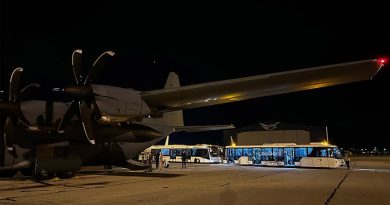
372 170
335 189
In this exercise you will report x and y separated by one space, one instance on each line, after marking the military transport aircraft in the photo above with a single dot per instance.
104 124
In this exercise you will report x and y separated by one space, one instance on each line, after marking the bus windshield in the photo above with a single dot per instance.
215 152
337 153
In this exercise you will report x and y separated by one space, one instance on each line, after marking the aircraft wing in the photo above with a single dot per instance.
202 128
213 93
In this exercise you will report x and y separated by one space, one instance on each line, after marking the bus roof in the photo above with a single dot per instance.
178 146
313 144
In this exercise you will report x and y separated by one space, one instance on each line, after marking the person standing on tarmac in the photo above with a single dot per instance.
157 158
346 159
161 159
183 159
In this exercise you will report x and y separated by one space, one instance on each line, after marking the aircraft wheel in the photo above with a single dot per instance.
66 175
9 173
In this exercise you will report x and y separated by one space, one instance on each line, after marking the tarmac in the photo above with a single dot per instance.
364 183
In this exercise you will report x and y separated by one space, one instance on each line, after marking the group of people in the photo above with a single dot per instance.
160 161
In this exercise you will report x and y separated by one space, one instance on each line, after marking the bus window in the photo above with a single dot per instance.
278 154
323 152
172 154
337 153
256 156
266 154
231 155
311 152
247 152
193 152
215 152
165 152
288 156
330 153
238 152
201 153
317 152
299 153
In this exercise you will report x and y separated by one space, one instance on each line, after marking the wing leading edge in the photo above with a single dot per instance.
214 93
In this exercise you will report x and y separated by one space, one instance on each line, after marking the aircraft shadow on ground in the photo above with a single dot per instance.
16 178
129 173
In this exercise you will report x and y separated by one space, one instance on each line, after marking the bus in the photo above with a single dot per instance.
201 153
287 154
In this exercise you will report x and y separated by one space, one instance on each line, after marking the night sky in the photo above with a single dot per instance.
209 42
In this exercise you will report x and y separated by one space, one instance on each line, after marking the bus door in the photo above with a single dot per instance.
320 158
324 159
289 156
313 154
256 156
172 155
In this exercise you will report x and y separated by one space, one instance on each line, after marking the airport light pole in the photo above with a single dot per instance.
327 138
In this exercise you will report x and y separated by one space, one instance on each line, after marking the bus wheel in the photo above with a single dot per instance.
9 173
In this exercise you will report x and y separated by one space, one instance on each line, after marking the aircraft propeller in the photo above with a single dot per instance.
11 108
84 102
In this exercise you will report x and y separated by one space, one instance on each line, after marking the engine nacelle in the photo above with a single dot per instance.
120 102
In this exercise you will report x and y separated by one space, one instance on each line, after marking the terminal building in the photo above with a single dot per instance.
274 132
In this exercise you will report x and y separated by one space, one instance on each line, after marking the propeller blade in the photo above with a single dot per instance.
99 63
28 91
67 116
77 65
85 114
9 134
14 83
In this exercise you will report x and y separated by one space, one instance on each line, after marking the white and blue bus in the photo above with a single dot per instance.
287 154
202 153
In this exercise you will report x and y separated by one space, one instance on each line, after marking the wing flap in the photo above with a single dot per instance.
213 93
